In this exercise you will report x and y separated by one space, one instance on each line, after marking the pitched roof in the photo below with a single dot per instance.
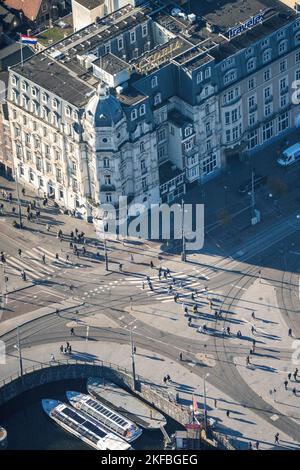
30 8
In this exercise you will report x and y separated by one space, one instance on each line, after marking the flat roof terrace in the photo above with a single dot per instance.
56 78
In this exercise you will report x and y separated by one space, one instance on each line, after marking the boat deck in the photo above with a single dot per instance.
127 404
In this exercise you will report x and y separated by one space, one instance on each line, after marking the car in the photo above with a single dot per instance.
246 187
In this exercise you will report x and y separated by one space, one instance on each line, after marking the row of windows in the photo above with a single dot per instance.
268 131
55 104
231 75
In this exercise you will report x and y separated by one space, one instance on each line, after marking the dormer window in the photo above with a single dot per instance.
120 43
24 86
68 111
14 80
133 114
54 104
157 99
142 110
154 82
132 37
44 98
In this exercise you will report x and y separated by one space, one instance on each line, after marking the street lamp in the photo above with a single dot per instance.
205 407
132 356
18 347
18 195
183 253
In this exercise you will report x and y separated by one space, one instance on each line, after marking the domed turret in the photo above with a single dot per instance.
103 110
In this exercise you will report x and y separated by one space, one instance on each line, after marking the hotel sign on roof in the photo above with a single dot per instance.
249 24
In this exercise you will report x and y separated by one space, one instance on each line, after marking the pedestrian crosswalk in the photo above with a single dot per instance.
37 263
185 284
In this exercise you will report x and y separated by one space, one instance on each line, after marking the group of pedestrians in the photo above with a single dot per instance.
66 349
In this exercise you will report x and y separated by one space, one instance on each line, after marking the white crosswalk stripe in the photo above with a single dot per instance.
31 262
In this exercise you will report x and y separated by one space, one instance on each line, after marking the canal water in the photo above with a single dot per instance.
29 428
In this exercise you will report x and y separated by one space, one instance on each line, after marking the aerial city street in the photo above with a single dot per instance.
149 225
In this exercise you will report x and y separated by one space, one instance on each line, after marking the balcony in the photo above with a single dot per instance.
107 188
144 171
284 90
269 99
253 108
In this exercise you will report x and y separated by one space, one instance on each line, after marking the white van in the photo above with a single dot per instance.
290 155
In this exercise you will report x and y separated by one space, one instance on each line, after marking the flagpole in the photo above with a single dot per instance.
21 44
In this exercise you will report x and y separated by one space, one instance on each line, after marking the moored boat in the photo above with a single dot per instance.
119 399
106 416
82 426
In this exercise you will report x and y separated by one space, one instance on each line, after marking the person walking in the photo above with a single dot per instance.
180 356
57 256
20 252
295 374
289 376
247 360
294 391
186 311
120 267
257 445
52 358
190 321
253 315
44 259
290 332
72 332
61 348
228 414
250 445
285 384
277 438
228 330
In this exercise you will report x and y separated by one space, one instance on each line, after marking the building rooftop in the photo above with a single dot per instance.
56 78
63 67
90 4
111 63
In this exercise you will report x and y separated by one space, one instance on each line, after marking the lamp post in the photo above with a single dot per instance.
18 195
205 407
18 347
183 253
132 356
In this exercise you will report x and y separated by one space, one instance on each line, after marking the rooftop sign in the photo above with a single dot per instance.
249 24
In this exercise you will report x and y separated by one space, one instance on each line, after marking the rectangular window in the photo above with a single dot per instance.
251 83
133 114
157 99
283 66
132 37
120 43
142 110
154 82
144 30
209 164
252 139
267 131
252 119
283 122
267 75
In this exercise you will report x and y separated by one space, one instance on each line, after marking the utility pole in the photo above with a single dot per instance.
18 195
204 404
252 193
20 353
183 253
105 254
132 360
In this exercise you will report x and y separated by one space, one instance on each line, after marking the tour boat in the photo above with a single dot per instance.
110 419
82 426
